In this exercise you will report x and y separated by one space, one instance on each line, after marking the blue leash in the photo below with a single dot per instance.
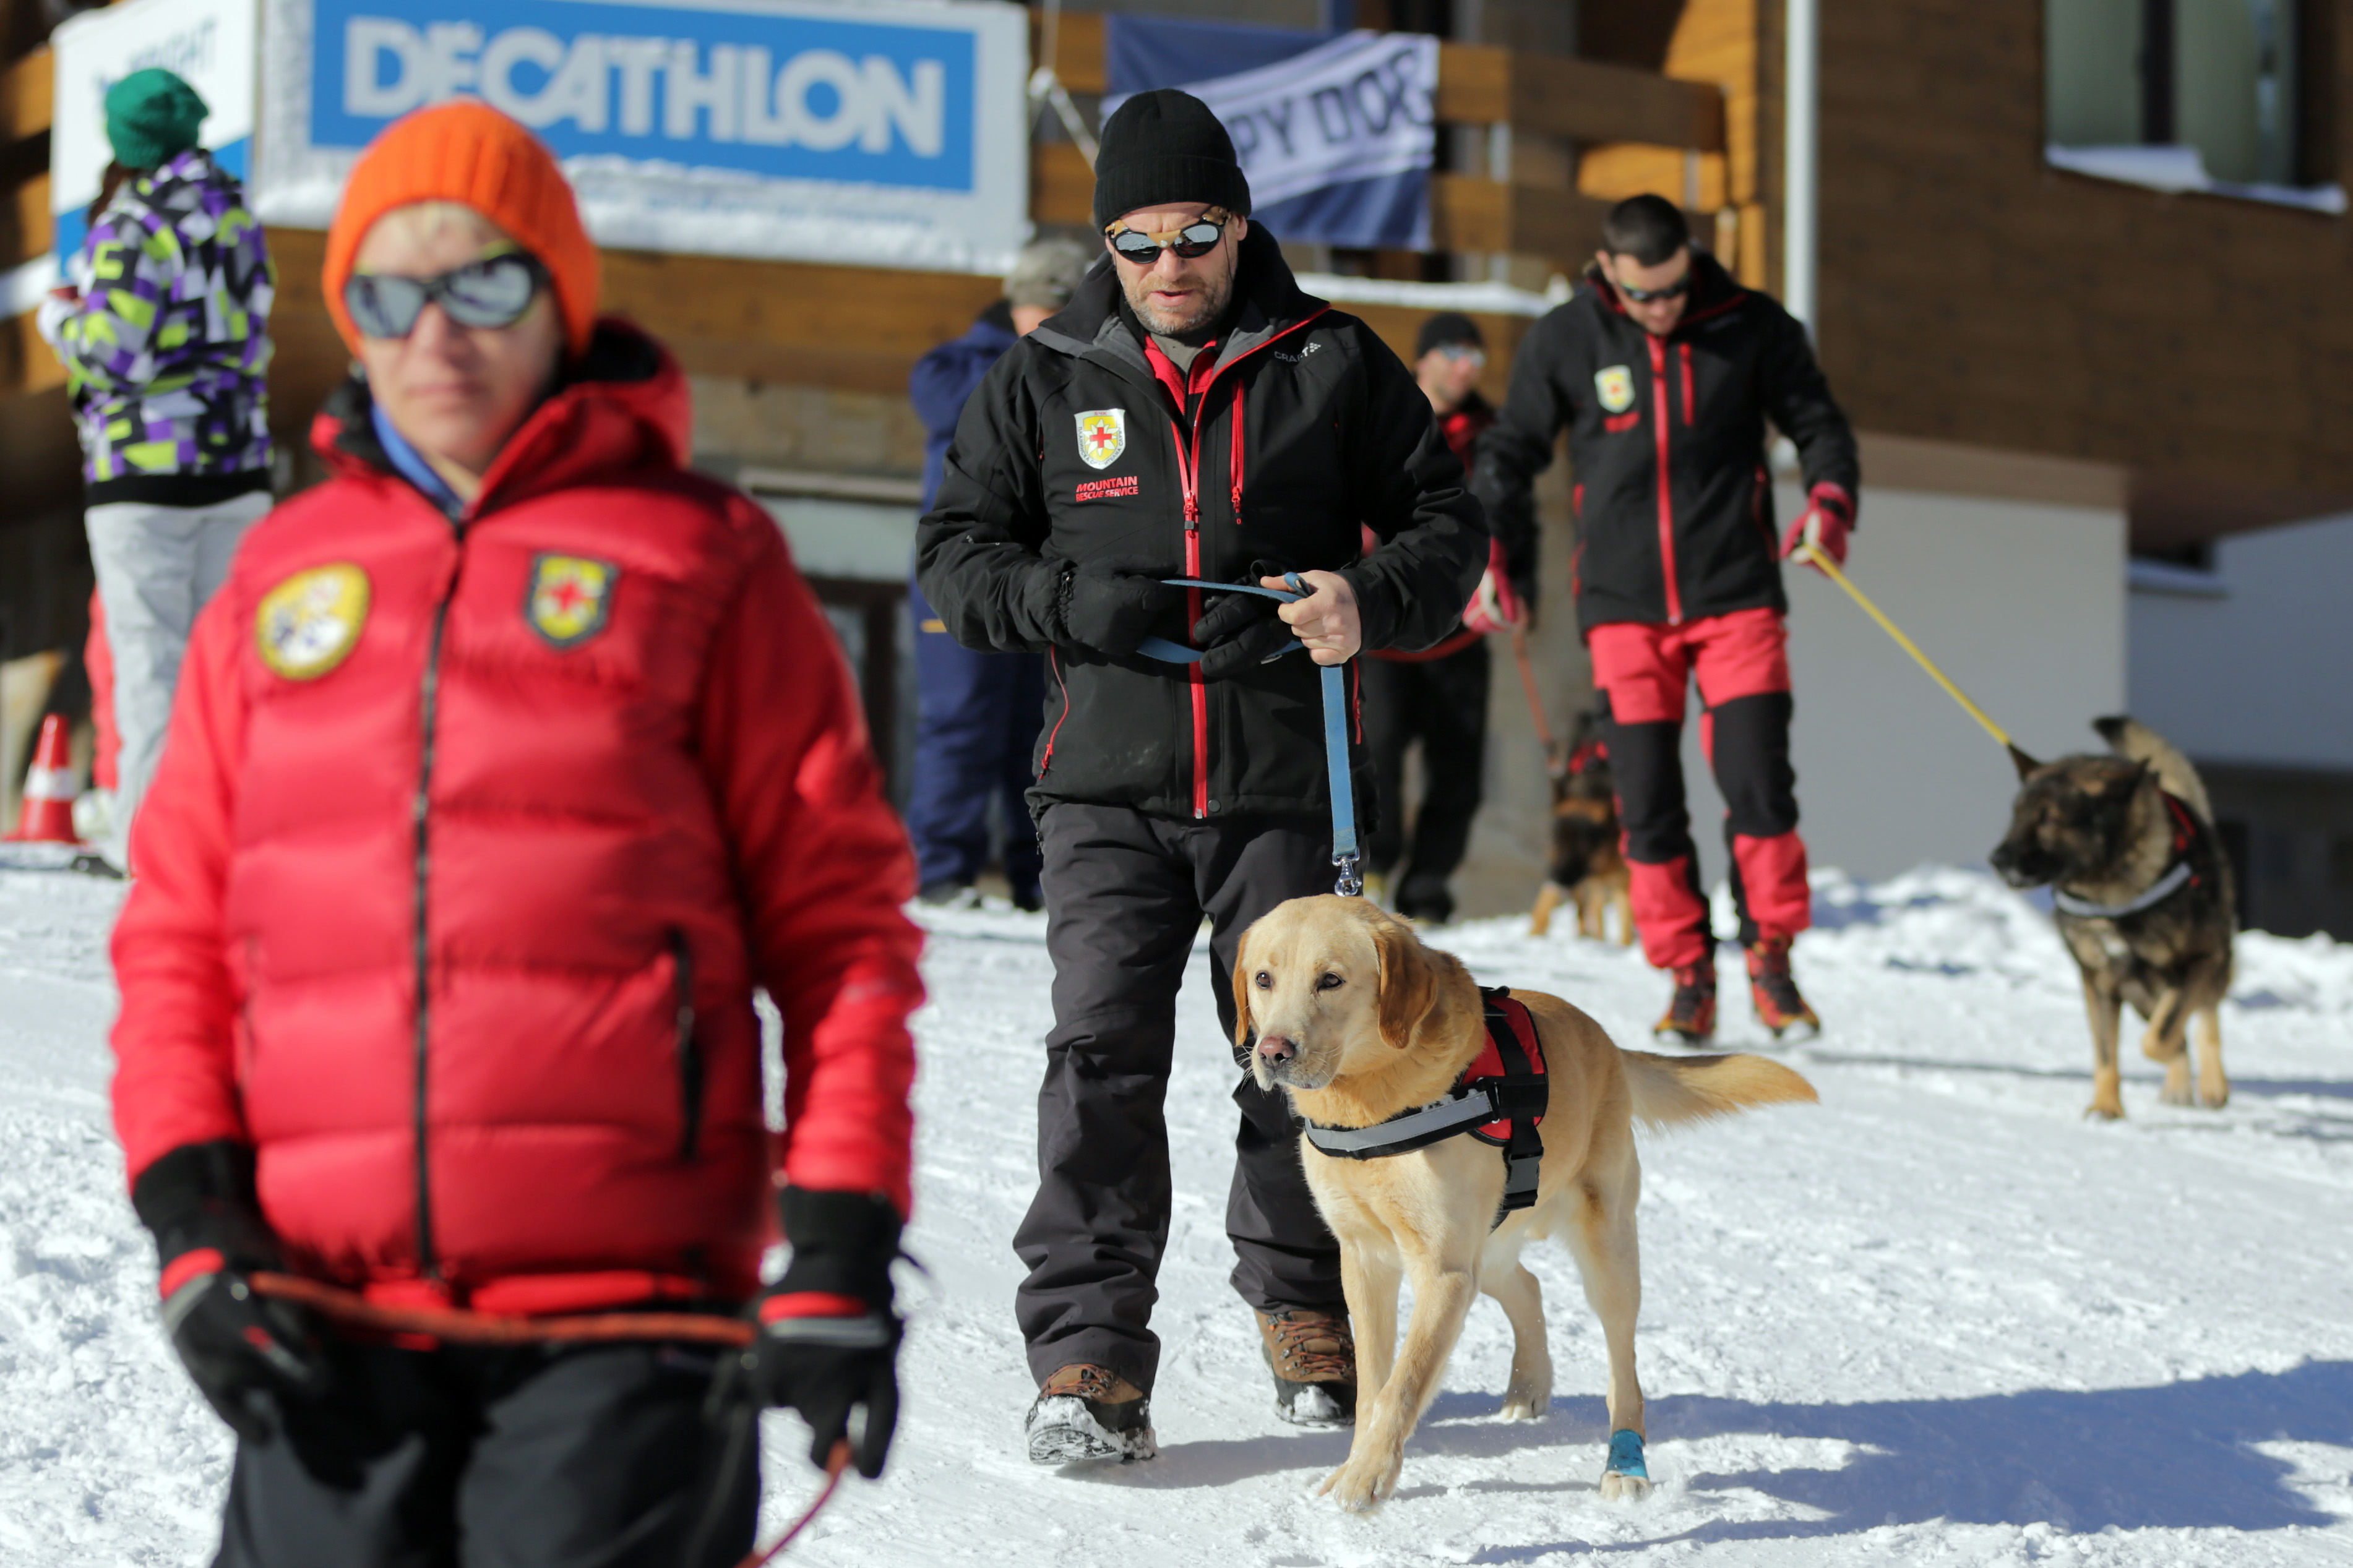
1350 883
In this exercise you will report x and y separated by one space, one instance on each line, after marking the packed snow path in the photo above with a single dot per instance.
1938 1318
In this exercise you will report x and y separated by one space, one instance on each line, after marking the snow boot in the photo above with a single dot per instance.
1691 1012
1090 1412
1780 1007
1314 1359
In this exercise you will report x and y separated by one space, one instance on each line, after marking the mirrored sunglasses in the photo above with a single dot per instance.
1674 290
1196 239
1470 352
494 291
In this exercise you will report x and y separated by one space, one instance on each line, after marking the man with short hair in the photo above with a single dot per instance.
1438 696
1664 370
1191 414
976 713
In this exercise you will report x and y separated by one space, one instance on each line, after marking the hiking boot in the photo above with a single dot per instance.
1690 1012
1314 1359
1780 1007
1090 1412
949 894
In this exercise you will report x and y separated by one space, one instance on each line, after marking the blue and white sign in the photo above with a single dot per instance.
208 43
887 132
1337 141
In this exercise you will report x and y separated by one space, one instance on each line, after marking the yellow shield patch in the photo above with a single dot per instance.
1102 437
570 598
310 623
1615 386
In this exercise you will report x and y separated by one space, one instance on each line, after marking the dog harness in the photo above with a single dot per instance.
2181 874
1501 1099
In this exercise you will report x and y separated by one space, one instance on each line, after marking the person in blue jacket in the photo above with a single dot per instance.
977 714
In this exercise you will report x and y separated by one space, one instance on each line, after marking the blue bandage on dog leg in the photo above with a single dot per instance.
1626 1454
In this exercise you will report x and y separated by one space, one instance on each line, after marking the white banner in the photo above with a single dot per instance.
1355 109
886 133
209 44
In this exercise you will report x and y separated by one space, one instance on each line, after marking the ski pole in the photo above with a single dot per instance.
1808 554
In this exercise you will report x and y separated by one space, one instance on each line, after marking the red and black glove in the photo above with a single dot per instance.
1112 606
1828 518
828 1342
243 1351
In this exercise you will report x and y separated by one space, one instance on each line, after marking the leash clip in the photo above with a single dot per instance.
1350 884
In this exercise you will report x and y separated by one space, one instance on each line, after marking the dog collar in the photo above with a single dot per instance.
2164 887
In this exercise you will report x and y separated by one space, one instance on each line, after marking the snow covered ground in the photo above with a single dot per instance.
1938 1318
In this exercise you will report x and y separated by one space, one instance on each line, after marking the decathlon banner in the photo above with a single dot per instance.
209 44
1337 141
883 132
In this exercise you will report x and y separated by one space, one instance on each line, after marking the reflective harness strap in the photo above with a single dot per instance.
1518 1095
2176 877
1350 881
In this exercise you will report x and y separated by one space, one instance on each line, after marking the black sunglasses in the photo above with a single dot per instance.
1196 239
494 291
1674 290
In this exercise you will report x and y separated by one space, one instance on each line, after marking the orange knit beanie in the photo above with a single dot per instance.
469 153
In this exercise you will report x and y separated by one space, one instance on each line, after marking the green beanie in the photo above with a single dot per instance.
152 118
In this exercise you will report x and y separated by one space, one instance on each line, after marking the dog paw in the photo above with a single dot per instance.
1616 1488
2214 1095
1525 1404
2105 1109
2177 1089
1360 1488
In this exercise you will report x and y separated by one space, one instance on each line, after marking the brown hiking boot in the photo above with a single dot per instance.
1090 1412
1779 1005
1691 1012
1314 1358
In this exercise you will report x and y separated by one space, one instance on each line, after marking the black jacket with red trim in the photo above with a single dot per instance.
1073 450
1692 405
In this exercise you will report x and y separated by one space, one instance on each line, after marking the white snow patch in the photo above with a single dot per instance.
1938 1318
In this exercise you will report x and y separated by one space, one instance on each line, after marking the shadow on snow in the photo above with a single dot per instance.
2177 1457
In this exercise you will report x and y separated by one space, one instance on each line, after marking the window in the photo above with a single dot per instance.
2178 94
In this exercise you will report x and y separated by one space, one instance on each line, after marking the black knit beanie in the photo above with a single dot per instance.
1162 148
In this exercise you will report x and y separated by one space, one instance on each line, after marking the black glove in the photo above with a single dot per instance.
1239 631
1112 606
240 1348
828 1339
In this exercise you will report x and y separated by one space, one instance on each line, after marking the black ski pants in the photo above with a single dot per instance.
596 1457
1125 894
1442 703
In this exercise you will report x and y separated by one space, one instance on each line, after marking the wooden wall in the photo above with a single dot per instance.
1970 293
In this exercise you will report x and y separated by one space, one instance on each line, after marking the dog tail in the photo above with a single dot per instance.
2135 741
1668 1090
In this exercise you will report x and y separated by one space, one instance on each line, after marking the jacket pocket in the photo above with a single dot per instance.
689 1050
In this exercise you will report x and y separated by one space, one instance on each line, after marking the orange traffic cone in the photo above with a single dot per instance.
49 790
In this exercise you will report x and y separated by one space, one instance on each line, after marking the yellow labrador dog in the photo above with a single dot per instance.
1342 1004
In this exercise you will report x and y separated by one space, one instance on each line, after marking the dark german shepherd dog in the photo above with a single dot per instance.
2142 897
1587 864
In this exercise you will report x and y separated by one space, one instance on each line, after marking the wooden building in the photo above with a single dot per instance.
2050 367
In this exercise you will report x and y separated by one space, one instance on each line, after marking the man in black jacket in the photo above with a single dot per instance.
1664 370
1190 413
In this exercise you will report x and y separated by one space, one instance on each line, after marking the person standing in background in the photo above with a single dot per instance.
1664 369
1439 697
977 713
163 332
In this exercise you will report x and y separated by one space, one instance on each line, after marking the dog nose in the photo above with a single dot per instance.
1275 1048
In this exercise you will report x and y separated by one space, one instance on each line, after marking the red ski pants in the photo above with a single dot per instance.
1741 663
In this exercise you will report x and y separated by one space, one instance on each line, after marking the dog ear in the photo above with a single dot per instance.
1244 1025
2022 762
1409 982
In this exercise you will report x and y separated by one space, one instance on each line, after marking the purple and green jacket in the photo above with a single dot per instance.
165 358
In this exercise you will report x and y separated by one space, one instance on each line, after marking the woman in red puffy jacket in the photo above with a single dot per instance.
504 768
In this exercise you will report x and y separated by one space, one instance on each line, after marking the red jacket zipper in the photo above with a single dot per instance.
1234 464
1691 419
1663 410
1054 661
1188 474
